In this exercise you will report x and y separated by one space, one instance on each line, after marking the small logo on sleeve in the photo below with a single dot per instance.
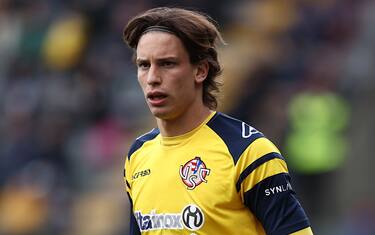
278 189
194 172
248 131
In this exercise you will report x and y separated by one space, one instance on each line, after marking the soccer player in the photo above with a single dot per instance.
200 171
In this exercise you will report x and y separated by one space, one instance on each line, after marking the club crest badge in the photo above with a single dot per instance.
194 172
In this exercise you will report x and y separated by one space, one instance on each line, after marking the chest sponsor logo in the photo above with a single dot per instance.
194 172
191 218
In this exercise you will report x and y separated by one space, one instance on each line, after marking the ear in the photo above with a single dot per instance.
201 71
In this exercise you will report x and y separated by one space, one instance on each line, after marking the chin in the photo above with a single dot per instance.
163 113
159 113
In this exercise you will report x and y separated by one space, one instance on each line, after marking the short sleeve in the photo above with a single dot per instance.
265 188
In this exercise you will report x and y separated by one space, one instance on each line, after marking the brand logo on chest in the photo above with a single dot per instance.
141 174
194 172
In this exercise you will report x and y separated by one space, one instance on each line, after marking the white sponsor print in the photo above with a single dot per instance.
278 189
191 218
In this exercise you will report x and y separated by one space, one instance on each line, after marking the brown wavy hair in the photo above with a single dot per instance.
198 33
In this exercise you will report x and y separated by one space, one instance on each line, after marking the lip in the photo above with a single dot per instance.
156 98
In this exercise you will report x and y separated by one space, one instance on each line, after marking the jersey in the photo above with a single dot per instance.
223 177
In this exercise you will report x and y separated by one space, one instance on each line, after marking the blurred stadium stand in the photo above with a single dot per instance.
70 106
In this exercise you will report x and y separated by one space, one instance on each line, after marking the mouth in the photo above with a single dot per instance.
156 98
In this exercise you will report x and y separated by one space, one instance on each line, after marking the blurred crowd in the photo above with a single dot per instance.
299 71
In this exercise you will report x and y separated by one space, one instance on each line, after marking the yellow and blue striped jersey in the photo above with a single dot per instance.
223 177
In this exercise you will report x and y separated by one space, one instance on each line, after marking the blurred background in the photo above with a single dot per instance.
301 71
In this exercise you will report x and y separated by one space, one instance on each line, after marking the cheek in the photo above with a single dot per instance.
185 81
141 82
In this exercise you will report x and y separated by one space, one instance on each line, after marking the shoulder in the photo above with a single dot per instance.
137 144
236 134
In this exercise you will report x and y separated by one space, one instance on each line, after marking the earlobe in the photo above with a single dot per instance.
202 71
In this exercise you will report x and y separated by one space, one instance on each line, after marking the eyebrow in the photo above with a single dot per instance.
138 60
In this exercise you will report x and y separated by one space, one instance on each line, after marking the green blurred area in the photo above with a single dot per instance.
317 141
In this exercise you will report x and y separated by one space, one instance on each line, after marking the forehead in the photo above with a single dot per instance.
160 44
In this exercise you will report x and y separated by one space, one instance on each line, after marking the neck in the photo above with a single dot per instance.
183 123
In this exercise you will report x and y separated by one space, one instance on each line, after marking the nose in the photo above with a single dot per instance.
153 76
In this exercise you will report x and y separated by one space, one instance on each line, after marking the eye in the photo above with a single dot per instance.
143 65
168 64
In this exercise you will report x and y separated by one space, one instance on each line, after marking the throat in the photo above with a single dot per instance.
182 124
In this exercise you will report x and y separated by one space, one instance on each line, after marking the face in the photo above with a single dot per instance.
170 83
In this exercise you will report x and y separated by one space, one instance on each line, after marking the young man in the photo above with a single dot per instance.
200 171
